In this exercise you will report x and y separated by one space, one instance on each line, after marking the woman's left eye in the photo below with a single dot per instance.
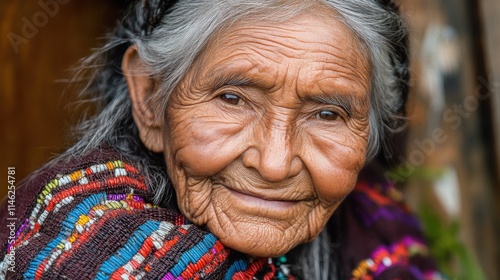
230 98
327 115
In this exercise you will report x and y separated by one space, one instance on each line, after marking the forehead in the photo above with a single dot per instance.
316 52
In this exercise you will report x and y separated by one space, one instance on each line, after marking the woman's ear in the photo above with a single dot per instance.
141 87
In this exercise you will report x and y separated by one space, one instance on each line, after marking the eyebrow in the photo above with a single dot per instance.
349 102
219 79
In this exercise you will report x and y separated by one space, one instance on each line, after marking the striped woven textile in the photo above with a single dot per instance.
384 237
94 221
92 218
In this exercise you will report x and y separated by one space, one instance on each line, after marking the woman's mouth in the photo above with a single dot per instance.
261 201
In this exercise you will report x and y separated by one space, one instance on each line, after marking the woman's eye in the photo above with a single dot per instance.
230 98
327 115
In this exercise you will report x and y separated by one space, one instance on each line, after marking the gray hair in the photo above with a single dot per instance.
181 34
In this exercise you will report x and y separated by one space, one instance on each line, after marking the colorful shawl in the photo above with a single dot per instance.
93 219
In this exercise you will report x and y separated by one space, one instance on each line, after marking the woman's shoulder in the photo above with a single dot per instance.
93 216
67 177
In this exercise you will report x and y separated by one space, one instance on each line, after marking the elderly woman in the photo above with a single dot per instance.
227 134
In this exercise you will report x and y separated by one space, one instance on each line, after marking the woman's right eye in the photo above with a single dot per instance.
230 98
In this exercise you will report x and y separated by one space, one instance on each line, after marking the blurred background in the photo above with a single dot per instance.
450 173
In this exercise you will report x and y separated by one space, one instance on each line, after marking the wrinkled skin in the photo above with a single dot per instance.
267 132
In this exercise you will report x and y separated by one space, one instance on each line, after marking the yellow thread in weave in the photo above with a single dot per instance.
99 207
83 219
76 175
72 238
109 165
361 270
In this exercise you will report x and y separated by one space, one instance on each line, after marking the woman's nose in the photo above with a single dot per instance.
273 154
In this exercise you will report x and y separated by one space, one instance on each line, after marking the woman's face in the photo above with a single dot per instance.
266 134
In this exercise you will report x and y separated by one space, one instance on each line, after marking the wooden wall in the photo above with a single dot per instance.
490 9
38 44
448 69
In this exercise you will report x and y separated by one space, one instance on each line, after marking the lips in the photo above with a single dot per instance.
259 196
263 201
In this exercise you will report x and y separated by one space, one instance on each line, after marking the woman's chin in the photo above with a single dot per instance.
260 236
258 225
257 242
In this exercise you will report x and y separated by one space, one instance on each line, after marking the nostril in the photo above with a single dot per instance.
296 167
251 158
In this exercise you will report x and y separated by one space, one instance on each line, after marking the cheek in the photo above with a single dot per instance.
201 143
334 163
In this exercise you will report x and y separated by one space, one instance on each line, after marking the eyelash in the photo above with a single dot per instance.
230 98
335 115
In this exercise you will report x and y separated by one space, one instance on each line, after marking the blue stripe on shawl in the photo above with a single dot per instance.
239 265
127 252
194 254
67 227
